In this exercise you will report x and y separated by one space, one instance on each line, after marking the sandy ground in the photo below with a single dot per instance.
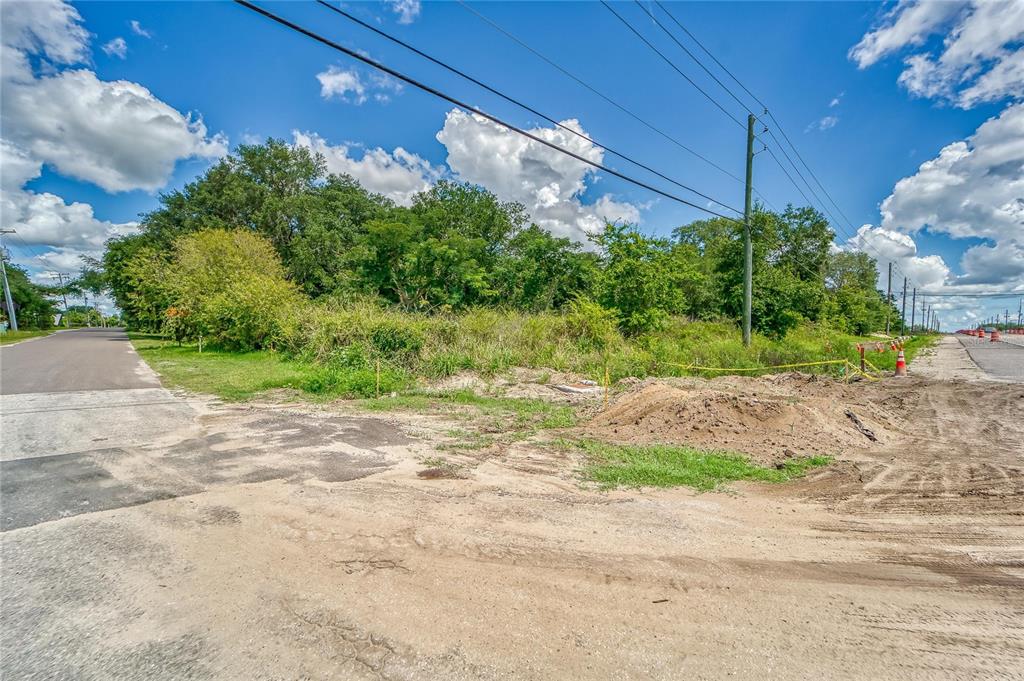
903 560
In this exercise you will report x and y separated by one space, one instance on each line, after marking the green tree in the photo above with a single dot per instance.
540 271
406 265
320 257
638 281
857 306
265 188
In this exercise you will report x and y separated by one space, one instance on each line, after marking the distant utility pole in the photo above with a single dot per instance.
59 276
888 300
913 310
1020 310
1006 317
11 314
748 248
903 312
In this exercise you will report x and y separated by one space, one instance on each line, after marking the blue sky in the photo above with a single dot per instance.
860 121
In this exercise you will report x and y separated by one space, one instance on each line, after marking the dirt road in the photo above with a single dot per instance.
903 560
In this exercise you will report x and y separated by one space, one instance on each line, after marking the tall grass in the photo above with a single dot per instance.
583 340
362 350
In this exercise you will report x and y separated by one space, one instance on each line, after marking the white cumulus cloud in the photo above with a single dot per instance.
397 175
50 29
980 59
345 84
42 218
548 183
974 188
115 134
350 85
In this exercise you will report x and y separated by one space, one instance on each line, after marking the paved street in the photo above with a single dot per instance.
88 433
1003 361
79 360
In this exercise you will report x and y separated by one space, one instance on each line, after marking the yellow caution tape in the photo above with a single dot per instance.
855 369
690 367
873 367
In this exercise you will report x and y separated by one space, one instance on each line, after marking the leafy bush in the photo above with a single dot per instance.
343 381
396 341
229 288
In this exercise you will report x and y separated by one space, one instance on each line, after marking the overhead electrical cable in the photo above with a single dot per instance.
708 52
673 65
1010 294
520 104
468 107
837 223
691 55
607 98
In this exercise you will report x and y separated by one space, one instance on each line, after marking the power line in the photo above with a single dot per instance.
518 103
771 152
1011 294
799 264
597 92
673 65
437 93
691 55
824 206
713 57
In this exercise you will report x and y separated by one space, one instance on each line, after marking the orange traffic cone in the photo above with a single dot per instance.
901 364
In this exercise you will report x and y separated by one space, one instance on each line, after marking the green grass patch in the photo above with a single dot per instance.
230 375
672 466
8 337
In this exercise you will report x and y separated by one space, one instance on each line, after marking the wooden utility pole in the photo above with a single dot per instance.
913 310
888 300
903 312
748 248
11 314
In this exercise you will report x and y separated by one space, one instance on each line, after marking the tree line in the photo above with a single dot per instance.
322 236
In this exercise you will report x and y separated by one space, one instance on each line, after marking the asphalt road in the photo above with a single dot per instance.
91 442
1003 361
83 359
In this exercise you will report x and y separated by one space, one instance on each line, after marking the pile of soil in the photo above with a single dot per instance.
768 424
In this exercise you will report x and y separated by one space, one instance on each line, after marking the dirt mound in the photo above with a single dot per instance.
769 425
